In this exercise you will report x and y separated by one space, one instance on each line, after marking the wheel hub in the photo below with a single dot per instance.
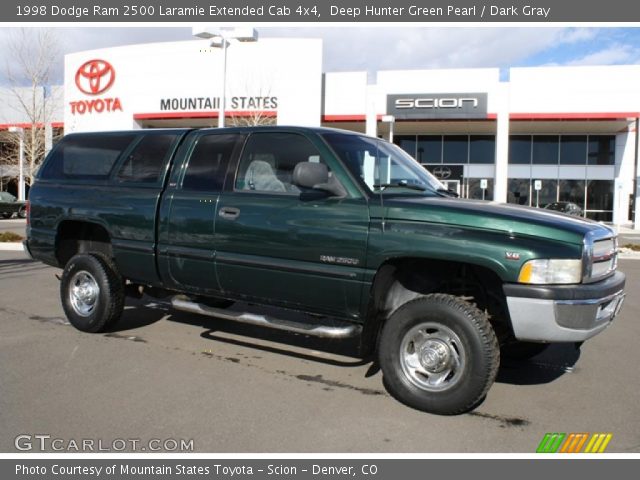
84 293
434 356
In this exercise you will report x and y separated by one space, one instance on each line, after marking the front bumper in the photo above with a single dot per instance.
567 313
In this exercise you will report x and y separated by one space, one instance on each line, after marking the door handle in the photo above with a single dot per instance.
230 213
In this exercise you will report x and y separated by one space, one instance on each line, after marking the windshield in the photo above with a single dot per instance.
383 167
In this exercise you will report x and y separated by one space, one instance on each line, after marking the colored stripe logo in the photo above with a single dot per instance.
574 443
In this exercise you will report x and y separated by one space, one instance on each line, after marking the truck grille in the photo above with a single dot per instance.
600 256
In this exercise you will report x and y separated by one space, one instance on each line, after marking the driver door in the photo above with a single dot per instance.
278 247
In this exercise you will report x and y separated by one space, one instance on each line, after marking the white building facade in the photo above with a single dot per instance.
531 136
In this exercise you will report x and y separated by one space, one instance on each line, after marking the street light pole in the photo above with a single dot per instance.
391 120
20 132
220 39
223 101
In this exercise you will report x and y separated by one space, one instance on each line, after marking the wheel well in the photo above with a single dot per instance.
401 280
80 237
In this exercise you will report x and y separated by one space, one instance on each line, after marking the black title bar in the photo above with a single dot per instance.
319 11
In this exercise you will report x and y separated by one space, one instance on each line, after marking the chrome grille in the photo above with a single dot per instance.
600 255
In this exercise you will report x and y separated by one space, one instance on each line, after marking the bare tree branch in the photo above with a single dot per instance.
32 56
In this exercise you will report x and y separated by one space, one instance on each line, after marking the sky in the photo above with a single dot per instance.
369 48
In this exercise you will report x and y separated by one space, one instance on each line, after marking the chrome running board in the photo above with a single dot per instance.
336 330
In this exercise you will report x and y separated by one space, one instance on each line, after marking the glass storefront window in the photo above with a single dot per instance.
545 150
482 149
407 143
547 194
573 149
520 149
572 191
600 195
455 149
602 150
474 190
518 191
429 149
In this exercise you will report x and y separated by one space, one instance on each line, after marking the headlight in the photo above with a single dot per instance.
550 271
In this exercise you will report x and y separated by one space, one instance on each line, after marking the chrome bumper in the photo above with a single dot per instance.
556 318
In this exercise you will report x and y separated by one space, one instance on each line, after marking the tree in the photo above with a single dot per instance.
257 89
32 56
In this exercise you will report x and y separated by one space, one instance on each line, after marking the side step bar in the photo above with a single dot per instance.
337 330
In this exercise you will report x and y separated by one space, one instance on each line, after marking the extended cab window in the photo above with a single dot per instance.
208 162
145 163
87 156
269 159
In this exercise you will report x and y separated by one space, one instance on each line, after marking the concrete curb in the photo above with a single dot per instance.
11 246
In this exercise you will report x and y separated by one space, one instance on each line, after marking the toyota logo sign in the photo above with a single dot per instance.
95 77
442 173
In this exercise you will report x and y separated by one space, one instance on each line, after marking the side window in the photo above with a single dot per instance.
269 159
146 161
208 163
89 156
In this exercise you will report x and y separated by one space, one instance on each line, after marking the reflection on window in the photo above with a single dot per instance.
573 149
548 193
208 163
482 149
269 160
455 149
407 143
145 163
429 149
520 149
572 191
545 150
474 190
602 150
600 195
519 191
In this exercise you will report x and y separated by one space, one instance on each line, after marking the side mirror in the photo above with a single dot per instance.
315 176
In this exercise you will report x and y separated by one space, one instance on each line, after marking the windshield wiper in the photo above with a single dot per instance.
448 192
400 184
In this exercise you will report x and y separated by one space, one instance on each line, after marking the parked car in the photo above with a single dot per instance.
10 205
569 208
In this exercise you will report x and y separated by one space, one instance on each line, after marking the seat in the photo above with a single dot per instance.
260 177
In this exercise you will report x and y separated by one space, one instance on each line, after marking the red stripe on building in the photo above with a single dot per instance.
210 114
574 116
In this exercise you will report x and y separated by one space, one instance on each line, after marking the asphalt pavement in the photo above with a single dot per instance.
222 387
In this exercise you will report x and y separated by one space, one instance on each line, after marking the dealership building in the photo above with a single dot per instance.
530 136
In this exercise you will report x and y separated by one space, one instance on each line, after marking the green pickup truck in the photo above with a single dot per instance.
344 235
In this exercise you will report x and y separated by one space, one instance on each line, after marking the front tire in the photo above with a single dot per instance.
92 292
439 354
22 213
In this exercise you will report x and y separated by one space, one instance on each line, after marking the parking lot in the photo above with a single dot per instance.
162 374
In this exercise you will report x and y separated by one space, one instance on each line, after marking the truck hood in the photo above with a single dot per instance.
479 214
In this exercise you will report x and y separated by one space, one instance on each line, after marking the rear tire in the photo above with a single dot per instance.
7 215
439 354
92 292
22 213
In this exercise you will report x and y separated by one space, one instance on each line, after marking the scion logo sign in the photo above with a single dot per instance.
446 172
442 173
437 105
94 78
